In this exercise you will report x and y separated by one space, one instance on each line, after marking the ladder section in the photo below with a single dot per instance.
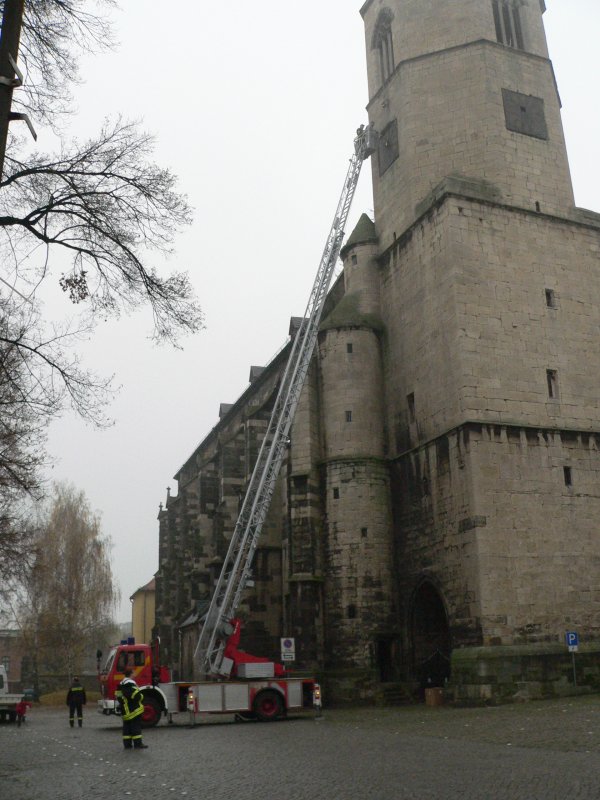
238 561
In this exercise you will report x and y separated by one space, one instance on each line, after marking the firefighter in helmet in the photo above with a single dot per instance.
76 700
131 701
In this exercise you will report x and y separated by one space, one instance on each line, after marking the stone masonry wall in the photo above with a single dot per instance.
470 333
421 369
303 545
359 599
503 263
450 121
471 336
435 533
537 544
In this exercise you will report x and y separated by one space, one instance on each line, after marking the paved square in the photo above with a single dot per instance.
536 751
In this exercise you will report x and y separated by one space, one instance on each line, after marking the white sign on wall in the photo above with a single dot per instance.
288 649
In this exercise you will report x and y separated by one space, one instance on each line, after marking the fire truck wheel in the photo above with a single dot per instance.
152 711
268 705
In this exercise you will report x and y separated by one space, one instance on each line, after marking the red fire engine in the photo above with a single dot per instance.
258 688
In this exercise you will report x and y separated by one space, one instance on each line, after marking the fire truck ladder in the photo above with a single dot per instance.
237 566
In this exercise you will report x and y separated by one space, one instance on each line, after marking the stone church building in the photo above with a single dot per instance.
437 518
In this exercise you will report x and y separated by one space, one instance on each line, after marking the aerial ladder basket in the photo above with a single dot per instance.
237 566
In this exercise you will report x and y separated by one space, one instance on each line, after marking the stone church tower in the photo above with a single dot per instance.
437 519
489 286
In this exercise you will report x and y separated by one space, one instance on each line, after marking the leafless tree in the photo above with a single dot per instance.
65 603
39 373
94 218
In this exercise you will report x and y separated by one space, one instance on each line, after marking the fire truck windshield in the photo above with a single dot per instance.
109 660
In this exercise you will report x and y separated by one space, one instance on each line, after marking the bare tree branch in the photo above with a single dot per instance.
55 33
106 205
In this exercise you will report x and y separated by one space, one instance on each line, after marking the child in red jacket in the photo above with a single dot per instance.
21 709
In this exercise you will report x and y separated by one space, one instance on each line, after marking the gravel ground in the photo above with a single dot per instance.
530 751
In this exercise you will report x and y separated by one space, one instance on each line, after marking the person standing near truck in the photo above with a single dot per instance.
21 709
76 700
131 701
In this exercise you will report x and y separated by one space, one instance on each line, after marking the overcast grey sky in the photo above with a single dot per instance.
254 106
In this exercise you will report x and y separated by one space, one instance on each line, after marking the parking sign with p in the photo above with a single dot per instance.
572 639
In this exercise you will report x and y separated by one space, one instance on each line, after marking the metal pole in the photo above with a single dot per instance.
10 36
574 670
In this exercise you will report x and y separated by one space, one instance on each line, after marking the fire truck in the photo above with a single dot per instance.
256 688
236 681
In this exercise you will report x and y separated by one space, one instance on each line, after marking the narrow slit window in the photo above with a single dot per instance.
386 55
354 259
518 30
336 493
550 298
552 380
348 416
383 42
364 532
508 24
352 612
568 475
497 20
410 401
508 32
349 347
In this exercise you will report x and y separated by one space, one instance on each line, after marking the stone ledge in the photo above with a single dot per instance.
586 215
463 186
305 577
465 654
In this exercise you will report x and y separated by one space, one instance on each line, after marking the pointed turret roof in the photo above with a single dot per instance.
363 232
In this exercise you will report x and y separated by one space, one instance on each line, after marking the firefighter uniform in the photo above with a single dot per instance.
131 701
76 700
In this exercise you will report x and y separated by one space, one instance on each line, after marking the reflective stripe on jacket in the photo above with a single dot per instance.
130 698
76 694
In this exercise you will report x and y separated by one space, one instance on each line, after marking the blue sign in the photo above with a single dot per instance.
572 639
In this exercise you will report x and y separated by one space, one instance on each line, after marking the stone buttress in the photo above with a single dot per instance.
358 594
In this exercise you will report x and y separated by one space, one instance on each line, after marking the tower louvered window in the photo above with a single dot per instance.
384 44
507 19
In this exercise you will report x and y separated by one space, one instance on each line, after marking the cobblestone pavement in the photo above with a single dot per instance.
534 751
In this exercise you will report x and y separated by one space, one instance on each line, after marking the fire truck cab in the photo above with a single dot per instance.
139 658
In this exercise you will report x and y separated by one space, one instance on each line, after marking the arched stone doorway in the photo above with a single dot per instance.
430 636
